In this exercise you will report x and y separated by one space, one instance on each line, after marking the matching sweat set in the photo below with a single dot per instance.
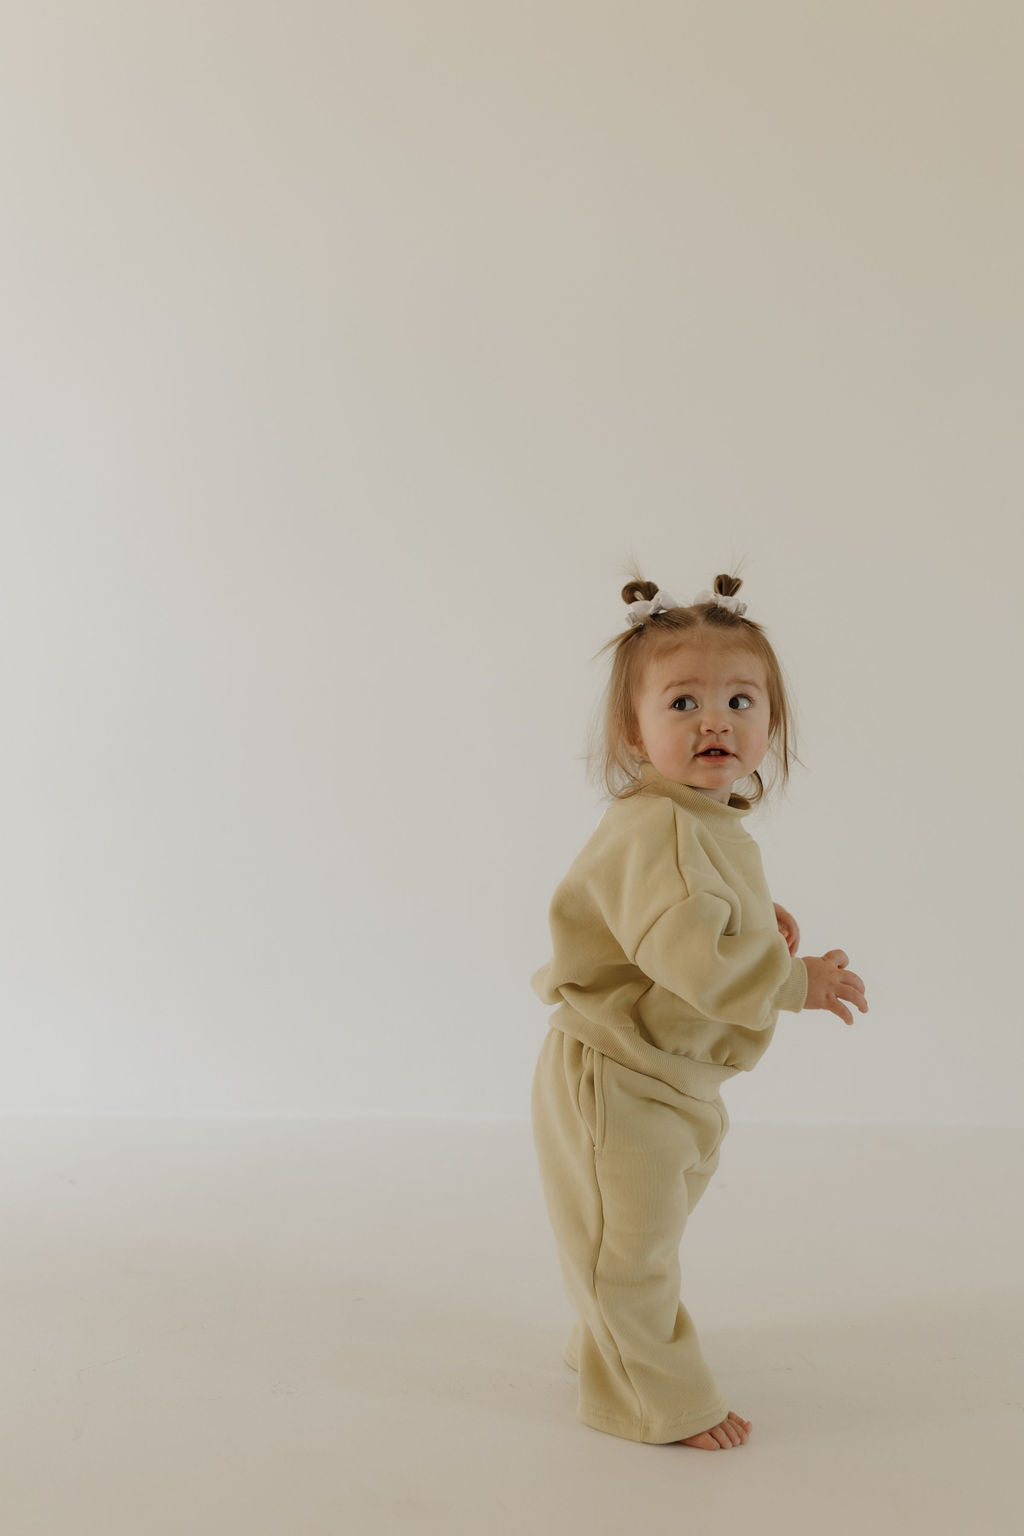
669 971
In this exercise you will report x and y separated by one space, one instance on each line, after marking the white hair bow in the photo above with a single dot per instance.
662 601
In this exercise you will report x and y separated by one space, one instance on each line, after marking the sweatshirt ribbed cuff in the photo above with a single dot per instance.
792 995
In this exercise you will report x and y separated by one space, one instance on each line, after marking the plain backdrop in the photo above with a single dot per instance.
349 354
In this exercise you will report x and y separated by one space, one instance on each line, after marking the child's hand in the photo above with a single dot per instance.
828 980
787 927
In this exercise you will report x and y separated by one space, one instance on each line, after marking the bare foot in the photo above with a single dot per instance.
732 1431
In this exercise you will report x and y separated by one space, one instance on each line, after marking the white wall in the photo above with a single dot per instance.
348 353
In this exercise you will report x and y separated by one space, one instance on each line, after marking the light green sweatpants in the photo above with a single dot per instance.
623 1160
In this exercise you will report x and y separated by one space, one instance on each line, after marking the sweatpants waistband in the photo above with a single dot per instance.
699 1079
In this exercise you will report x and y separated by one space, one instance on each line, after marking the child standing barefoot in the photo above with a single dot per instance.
670 965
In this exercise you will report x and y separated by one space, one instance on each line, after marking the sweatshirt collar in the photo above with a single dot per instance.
720 819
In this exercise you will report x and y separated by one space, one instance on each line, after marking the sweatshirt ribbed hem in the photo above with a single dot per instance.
697 1079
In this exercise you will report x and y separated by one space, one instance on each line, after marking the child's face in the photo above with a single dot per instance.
724 702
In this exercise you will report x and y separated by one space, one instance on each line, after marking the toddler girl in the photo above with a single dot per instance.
670 965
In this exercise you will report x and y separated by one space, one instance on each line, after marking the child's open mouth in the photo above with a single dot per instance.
714 752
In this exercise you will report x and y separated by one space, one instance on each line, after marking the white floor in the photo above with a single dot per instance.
298 1327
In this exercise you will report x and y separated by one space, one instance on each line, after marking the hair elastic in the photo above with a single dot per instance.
661 602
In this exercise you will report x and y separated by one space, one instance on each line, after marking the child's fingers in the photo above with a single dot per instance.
839 1008
856 998
853 997
850 979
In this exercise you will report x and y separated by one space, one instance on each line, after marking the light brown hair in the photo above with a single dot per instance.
613 762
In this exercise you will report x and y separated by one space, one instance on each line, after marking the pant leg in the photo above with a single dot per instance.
698 1179
696 1183
615 1149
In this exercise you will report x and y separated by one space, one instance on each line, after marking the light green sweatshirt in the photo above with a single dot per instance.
667 953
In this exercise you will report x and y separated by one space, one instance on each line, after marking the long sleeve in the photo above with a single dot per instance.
740 978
